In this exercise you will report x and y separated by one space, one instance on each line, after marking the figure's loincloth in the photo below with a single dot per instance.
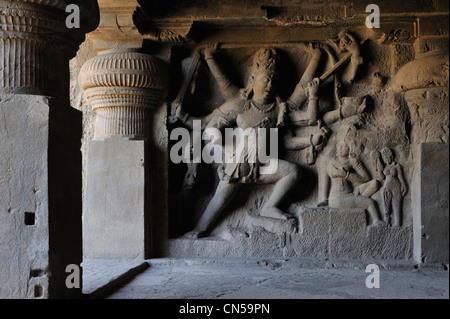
244 168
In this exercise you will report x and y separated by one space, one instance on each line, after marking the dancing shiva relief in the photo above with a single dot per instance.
340 139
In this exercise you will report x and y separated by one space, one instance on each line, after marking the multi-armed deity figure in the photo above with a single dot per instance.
258 106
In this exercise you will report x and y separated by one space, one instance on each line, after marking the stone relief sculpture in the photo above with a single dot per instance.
259 106
347 45
394 186
350 184
256 107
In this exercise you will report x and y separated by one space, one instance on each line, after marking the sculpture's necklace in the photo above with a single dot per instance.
268 110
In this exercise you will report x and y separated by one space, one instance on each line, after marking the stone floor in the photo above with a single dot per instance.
260 279
101 276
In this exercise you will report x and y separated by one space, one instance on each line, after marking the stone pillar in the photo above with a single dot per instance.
431 200
122 86
424 84
40 160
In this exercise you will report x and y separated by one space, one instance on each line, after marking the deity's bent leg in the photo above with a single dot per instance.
224 194
286 176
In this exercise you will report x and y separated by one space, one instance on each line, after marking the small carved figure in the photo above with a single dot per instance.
394 186
345 170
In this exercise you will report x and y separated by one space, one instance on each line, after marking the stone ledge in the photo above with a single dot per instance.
334 221
323 233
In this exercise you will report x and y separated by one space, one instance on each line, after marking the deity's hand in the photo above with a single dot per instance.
312 88
177 113
210 50
338 172
173 110
324 130
317 139
314 49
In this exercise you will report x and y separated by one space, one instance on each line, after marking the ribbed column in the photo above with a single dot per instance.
122 86
34 44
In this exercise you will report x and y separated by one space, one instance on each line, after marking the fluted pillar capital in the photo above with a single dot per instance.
36 43
122 85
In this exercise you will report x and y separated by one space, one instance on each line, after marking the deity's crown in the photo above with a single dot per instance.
265 59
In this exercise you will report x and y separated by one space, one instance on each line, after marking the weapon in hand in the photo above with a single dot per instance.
335 67
182 93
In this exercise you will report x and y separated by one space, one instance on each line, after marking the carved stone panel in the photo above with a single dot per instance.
346 130
349 105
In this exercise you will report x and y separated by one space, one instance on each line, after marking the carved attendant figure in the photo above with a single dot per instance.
394 187
345 170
